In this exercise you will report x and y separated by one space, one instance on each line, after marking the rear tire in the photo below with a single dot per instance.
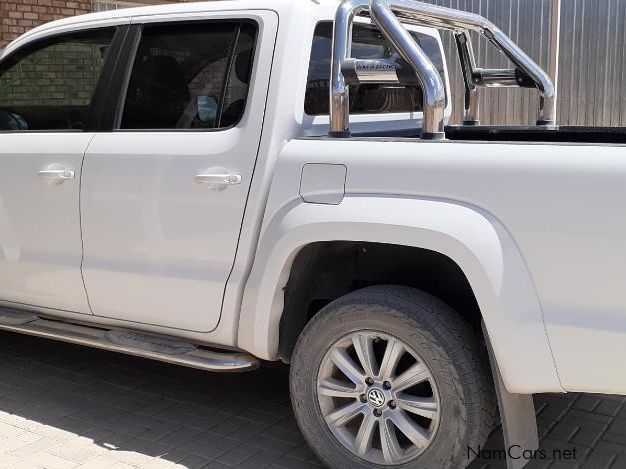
423 408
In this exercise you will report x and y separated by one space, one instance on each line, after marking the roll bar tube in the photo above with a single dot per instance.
433 88
342 44
389 16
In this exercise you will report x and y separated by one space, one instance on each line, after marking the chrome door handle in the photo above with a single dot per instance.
219 179
56 174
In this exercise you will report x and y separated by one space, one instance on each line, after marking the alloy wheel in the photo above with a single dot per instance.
378 397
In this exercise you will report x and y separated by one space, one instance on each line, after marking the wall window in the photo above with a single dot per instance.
50 86
367 43
190 76
108 5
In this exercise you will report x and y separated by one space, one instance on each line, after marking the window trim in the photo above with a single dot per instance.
96 116
132 44
112 110
229 68
103 79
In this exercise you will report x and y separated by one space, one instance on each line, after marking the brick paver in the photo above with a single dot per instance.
64 406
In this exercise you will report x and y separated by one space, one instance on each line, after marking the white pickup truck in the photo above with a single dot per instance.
220 183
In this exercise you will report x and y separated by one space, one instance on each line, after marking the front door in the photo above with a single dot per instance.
46 91
163 195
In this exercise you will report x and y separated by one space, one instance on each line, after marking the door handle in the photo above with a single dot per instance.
56 174
224 179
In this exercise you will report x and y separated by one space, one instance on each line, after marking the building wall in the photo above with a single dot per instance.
592 65
18 16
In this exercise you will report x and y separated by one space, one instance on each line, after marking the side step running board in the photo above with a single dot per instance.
129 342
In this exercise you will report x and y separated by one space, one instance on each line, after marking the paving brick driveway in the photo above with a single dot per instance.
64 406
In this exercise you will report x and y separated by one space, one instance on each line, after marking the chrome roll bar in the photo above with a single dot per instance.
342 43
389 16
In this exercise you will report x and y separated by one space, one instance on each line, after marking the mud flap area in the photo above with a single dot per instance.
517 411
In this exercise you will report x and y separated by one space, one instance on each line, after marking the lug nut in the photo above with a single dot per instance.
363 398
377 413
392 404
369 381
387 385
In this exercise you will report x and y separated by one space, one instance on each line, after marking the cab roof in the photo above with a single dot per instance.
118 16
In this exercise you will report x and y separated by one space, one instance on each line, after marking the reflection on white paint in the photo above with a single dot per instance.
9 243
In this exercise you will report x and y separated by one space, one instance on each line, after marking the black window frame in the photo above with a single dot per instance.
443 74
114 109
92 120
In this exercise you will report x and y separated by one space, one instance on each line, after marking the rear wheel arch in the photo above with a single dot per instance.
324 271
480 247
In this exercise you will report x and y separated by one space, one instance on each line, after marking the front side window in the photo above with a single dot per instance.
190 76
367 43
50 86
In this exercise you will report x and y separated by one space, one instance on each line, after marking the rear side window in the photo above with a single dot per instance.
367 43
49 86
190 76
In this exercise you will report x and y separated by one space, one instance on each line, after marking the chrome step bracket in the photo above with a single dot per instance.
152 346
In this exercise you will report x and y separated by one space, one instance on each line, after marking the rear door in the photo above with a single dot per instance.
163 194
47 90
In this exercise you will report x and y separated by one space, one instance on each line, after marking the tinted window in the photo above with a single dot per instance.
50 86
190 76
367 43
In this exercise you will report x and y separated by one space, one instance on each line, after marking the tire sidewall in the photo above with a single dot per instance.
338 320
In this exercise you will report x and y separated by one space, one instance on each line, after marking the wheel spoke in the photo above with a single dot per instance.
363 346
347 366
335 388
389 442
411 430
363 440
424 406
339 417
347 385
414 375
393 352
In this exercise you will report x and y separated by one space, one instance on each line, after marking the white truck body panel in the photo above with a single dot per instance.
40 236
538 195
175 241
534 227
